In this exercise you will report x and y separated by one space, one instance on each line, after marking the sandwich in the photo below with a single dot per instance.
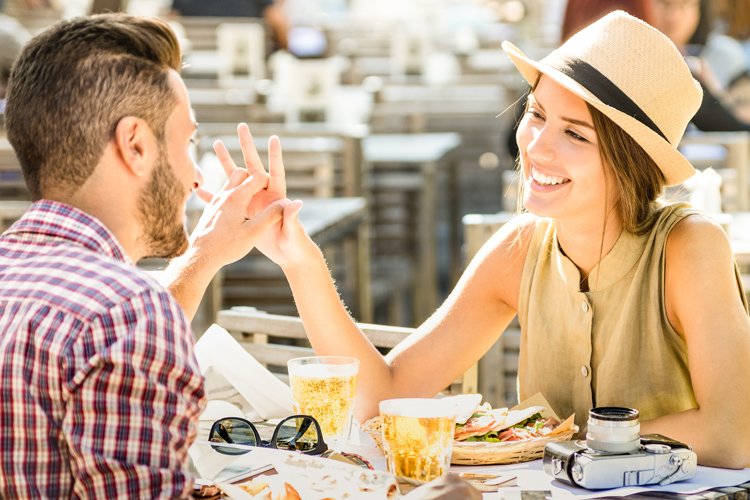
501 425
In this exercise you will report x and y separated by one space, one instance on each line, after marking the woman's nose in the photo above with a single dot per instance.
540 147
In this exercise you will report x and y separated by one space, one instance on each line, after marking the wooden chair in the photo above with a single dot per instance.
302 88
241 50
341 145
309 173
204 43
275 339
498 369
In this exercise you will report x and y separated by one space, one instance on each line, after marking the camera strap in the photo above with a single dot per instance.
675 463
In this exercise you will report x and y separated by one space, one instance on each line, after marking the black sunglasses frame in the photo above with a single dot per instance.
217 429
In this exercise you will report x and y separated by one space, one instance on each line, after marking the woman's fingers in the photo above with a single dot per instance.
264 220
291 210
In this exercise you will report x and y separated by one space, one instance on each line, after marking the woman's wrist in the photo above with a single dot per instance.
306 258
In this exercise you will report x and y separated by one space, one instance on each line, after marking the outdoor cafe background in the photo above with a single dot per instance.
391 115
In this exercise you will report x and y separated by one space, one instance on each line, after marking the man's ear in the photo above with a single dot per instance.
135 144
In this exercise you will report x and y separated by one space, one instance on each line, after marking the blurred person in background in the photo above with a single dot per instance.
580 13
733 19
271 11
102 6
690 26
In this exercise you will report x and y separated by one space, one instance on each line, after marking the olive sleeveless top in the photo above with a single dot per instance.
612 345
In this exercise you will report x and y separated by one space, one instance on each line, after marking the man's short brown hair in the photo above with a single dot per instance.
74 82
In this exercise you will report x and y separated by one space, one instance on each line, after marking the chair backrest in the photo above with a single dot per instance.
303 87
309 173
342 146
201 30
241 50
274 339
497 371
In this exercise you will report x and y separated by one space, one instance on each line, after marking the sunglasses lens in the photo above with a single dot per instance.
298 434
232 431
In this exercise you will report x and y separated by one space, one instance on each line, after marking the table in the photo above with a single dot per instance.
530 476
413 162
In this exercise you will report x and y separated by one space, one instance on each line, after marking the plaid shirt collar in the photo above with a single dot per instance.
52 219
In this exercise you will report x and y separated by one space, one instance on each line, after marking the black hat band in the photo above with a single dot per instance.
602 87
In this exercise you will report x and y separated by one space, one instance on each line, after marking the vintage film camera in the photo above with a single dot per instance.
615 454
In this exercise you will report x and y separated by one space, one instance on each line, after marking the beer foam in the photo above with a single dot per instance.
417 407
315 370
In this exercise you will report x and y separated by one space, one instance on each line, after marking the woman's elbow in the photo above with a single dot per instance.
729 448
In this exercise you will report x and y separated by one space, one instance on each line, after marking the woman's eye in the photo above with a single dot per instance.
576 136
536 114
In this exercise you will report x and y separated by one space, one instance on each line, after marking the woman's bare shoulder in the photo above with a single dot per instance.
513 237
697 236
499 264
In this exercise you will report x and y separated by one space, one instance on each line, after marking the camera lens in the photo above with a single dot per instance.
613 429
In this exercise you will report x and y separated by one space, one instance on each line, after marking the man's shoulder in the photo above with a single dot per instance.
75 279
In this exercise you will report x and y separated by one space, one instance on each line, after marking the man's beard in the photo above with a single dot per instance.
159 204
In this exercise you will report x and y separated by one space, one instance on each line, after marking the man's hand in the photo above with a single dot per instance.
275 178
246 210
286 242
247 206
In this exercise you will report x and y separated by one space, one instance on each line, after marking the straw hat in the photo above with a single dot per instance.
634 75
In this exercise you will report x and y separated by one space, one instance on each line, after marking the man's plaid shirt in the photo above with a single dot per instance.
100 391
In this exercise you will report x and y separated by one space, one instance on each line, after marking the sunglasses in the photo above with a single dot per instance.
296 433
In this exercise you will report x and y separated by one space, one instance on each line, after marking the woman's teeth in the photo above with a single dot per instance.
546 180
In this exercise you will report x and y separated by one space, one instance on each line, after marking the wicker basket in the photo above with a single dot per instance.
510 452
477 453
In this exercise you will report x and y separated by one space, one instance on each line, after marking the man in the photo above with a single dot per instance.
99 387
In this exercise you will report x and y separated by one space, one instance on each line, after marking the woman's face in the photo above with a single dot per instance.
678 19
563 173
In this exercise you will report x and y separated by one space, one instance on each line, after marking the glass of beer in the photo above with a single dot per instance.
417 437
324 387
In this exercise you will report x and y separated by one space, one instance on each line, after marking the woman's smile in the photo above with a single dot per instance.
545 182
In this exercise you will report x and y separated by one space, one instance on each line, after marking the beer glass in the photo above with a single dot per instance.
417 437
324 387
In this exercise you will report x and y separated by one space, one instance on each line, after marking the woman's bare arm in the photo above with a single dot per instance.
704 306
449 342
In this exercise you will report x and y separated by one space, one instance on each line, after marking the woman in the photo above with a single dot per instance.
622 301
